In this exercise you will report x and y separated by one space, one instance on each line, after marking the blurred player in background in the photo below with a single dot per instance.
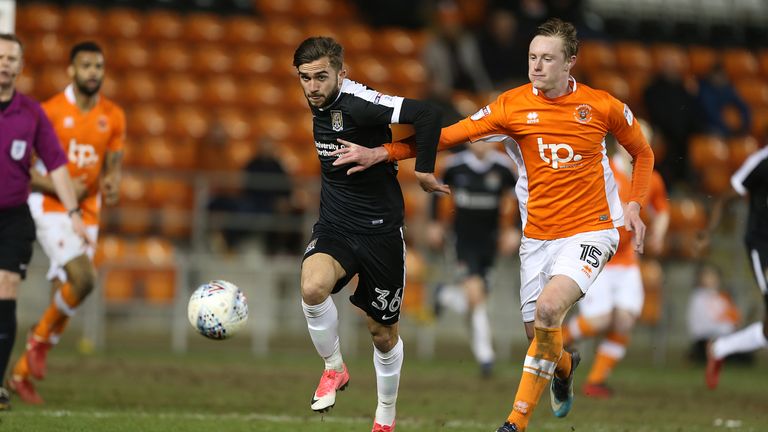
614 301
554 130
24 128
480 178
91 129
360 230
750 181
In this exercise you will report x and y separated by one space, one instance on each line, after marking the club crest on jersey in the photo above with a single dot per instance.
337 121
103 123
18 149
482 112
583 113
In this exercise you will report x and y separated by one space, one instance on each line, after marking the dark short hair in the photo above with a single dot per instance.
317 47
556 27
87 46
12 38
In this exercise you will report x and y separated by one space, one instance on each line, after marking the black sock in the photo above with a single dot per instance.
7 333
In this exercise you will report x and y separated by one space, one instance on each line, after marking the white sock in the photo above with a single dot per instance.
747 339
481 335
387 367
454 299
323 324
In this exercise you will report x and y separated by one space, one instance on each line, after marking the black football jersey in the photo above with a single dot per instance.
752 179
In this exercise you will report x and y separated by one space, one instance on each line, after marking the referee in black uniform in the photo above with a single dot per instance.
360 230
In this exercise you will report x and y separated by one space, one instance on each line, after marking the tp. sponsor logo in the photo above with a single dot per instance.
558 153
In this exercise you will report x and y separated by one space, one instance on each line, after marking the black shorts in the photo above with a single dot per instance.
378 260
17 236
475 256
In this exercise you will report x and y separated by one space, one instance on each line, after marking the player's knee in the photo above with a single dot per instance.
384 338
82 276
548 313
313 291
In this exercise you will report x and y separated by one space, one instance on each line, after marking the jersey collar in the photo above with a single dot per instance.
69 93
571 87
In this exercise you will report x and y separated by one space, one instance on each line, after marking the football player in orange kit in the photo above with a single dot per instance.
554 130
615 300
91 129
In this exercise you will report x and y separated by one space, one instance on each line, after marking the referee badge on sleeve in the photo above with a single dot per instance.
337 121
18 149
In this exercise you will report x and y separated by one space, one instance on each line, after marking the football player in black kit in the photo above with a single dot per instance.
360 230
480 178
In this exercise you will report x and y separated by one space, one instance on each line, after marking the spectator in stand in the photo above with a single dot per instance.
674 112
716 94
453 54
502 51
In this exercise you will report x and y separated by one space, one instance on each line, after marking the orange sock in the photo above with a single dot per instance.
563 368
609 353
539 366
21 368
577 328
62 306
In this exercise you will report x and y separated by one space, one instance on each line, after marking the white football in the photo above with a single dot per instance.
217 309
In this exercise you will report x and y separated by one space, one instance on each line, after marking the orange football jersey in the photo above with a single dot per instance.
86 138
565 185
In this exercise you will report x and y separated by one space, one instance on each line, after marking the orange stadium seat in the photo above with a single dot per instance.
35 18
754 91
611 82
133 190
220 91
760 123
109 87
466 103
122 23
270 8
293 97
357 39
633 57
211 59
160 285
739 63
146 120
156 250
180 89
46 49
170 57
119 285
323 28
320 10
25 83
112 248
762 60
371 71
637 83
739 148
243 31
189 121
252 60
128 55
237 154
398 42
687 214
156 152
407 72
260 93
662 52
82 21
203 28
49 81
283 34
162 24
715 179
595 56
236 124
136 87
274 125
169 191
701 59
705 150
